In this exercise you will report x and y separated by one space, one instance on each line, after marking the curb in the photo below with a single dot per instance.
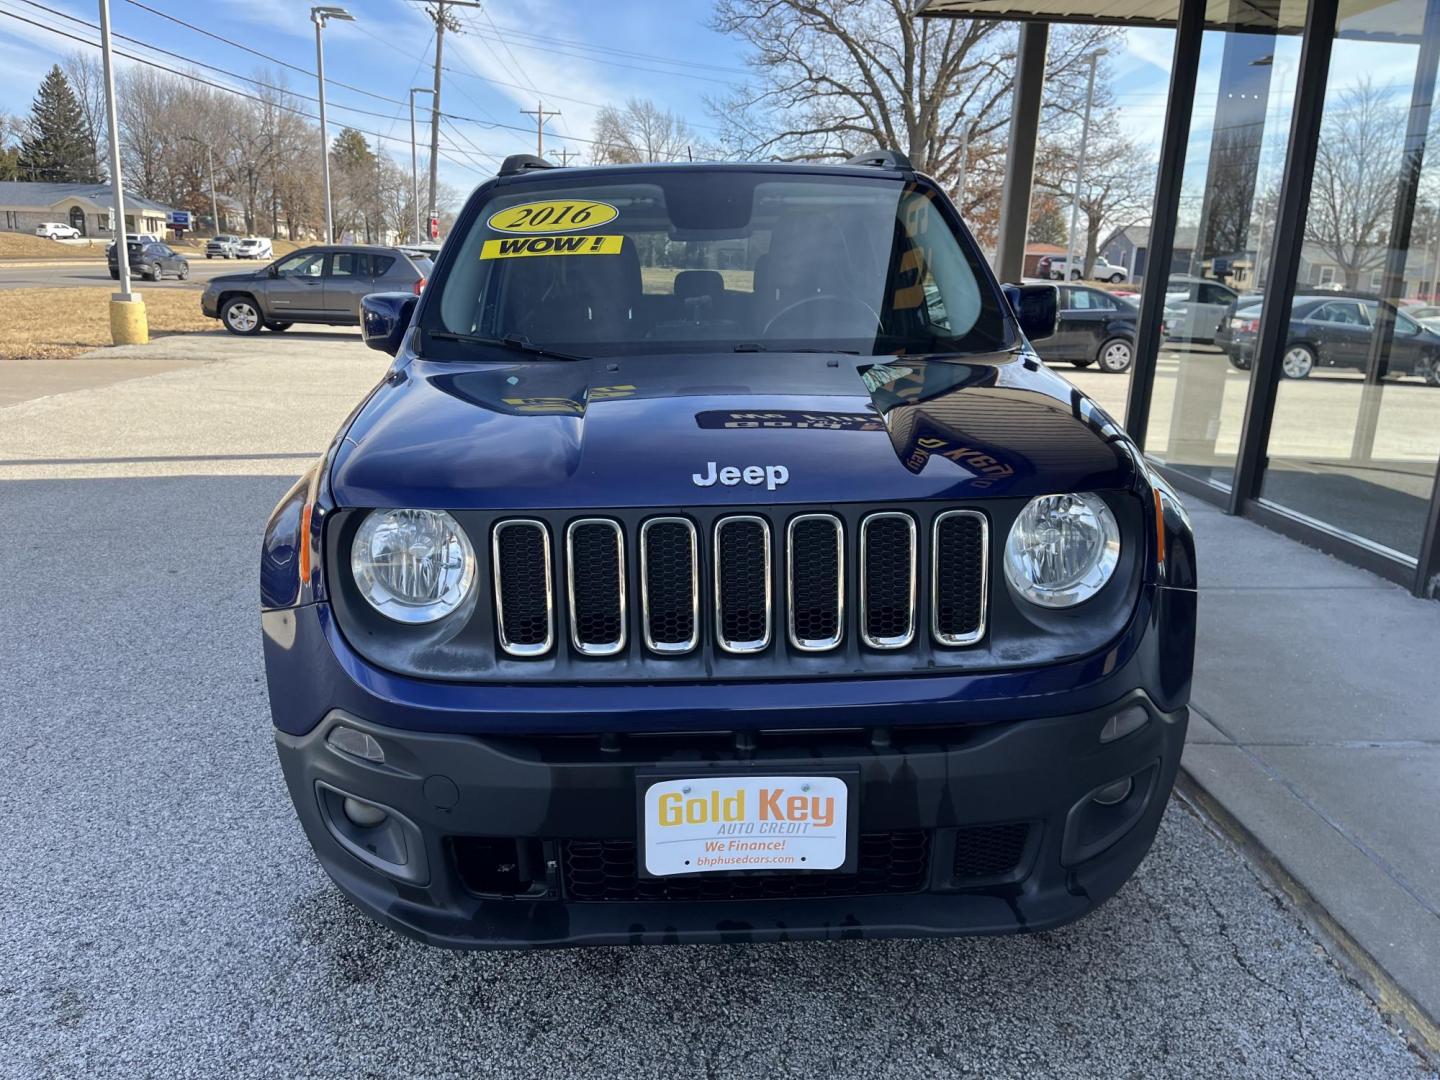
1420 1029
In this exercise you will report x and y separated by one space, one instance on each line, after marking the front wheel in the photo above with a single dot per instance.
1116 279
1074 275
1116 356
1429 369
183 273
1298 362
240 316
1082 363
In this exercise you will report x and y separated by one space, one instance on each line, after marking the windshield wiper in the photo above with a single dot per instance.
755 346
514 342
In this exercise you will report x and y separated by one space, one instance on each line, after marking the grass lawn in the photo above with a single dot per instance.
50 323
24 246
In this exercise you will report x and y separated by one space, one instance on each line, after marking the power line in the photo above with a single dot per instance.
192 77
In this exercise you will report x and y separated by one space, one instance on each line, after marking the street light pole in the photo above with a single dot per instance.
415 160
1094 59
210 166
319 15
127 310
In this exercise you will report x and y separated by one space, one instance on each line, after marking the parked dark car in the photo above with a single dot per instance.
1094 328
322 284
149 259
1335 332
644 602
1196 308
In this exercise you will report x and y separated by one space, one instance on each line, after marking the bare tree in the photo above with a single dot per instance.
641 131
87 79
1352 197
835 77
1115 190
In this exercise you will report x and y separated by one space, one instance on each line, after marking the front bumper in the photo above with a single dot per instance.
953 792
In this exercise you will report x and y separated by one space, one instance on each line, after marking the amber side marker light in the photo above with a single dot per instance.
306 512
1159 528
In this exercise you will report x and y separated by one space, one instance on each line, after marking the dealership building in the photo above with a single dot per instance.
1282 116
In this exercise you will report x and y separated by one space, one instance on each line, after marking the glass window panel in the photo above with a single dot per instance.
1356 431
1239 130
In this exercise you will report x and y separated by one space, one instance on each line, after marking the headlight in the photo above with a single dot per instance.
1062 549
413 566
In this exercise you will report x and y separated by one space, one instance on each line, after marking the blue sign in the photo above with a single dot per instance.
181 219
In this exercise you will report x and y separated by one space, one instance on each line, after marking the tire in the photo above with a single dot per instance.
1082 363
278 327
183 273
1074 275
151 275
1116 356
208 255
1297 362
1116 279
1238 364
241 315
1429 369
114 275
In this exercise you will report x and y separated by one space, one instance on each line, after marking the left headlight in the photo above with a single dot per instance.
1062 549
413 566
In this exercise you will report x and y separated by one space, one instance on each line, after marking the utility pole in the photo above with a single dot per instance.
565 154
443 21
319 16
1094 59
128 325
541 115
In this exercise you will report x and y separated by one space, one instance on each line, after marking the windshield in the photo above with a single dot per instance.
714 261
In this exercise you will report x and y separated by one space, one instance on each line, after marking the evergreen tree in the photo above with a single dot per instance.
55 147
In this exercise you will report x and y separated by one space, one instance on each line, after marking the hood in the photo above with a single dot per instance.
227 279
748 429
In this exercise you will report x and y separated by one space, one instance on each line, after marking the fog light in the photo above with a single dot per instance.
1123 723
356 743
1109 795
367 816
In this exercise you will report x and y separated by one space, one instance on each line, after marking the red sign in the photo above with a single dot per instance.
434 228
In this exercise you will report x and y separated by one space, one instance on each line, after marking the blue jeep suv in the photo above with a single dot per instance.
717 562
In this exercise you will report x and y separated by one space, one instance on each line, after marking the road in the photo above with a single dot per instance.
163 915
21 275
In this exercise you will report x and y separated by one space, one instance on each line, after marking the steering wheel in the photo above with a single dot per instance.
845 307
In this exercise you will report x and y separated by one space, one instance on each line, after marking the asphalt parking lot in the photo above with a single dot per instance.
21 274
163 916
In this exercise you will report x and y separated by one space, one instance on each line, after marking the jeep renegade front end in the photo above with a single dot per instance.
718 562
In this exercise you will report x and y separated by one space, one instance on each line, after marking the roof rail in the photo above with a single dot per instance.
882 159
518 163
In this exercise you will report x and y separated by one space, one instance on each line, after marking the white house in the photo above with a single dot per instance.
87 207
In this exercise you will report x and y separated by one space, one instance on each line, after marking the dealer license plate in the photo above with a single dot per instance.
736 823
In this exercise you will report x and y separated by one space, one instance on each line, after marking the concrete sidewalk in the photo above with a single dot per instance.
1315 739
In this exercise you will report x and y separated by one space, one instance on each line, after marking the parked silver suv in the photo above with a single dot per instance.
222 246
320 284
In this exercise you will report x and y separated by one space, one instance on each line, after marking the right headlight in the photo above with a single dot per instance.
413 566
1062 549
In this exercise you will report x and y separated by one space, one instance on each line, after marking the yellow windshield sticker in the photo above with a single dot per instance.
512 247
552 216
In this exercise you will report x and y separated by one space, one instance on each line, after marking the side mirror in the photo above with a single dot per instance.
1036 307
273 271
384 318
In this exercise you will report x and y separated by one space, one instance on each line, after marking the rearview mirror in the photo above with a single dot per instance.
1036 307
384 318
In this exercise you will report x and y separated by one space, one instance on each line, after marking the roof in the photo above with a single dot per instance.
43 196
1360 17
1044 249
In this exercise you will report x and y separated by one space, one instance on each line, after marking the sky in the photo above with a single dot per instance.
574 55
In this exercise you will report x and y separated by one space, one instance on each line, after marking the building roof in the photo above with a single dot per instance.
30 195
1044 249
1361 18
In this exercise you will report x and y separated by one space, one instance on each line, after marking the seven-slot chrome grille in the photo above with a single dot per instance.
748 580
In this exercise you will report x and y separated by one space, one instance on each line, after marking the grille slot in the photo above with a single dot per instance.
959 577
608 870
887 580
815 546
670 585
742 583
524 598
986 852
595 572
